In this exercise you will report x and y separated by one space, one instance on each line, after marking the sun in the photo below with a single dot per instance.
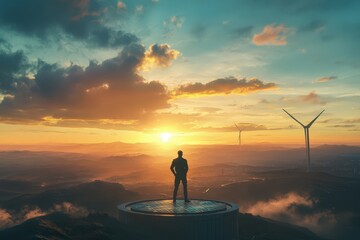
165 137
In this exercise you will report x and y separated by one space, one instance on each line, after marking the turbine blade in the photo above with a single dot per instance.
311 123
237 126
294 118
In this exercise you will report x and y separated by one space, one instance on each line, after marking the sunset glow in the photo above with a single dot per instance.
165 137
127 71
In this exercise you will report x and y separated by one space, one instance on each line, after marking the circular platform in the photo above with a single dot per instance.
161 219
179 207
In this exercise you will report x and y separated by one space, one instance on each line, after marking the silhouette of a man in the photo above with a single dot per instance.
179 168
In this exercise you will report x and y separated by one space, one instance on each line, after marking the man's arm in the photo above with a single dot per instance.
172 168
186 166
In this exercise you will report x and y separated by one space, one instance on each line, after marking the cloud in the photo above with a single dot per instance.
5 219
343 126
229 85
325 79
112 89
11 64
177 21
160 55
207 109
296 209
313 98
173 23
70 209
249 127
82 20
36 212
271 35
355 120
121 5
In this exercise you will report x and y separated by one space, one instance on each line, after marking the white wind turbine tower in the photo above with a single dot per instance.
307 138
240 130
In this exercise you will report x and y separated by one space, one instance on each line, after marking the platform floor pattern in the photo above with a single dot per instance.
180 207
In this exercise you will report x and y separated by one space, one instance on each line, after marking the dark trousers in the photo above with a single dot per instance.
183 179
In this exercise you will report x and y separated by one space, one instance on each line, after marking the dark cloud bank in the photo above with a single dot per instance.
32 92
82 20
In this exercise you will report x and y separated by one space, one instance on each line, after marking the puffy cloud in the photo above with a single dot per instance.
112 89
224 86
271 35
313 98
11 64
82 20
160 55
325 79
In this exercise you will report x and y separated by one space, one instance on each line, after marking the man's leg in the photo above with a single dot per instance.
184 182
176 187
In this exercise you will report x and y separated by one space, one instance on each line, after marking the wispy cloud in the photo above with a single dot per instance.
139 9
325 79
222 86
343 126
8 219
272 35
174 21
313 98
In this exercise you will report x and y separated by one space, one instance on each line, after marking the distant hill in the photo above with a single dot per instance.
98 196
327 204
259 228
59 226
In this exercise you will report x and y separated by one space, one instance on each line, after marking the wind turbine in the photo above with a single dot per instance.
240 130
307 138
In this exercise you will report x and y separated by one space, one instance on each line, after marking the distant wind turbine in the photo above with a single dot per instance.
307 138
240 130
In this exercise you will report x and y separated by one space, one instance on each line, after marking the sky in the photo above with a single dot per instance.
179 72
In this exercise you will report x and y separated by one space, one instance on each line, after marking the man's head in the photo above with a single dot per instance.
180 153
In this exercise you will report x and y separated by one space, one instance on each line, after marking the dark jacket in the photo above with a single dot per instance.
180 165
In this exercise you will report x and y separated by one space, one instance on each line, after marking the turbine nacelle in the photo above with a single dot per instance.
240 130
310 123
306 131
